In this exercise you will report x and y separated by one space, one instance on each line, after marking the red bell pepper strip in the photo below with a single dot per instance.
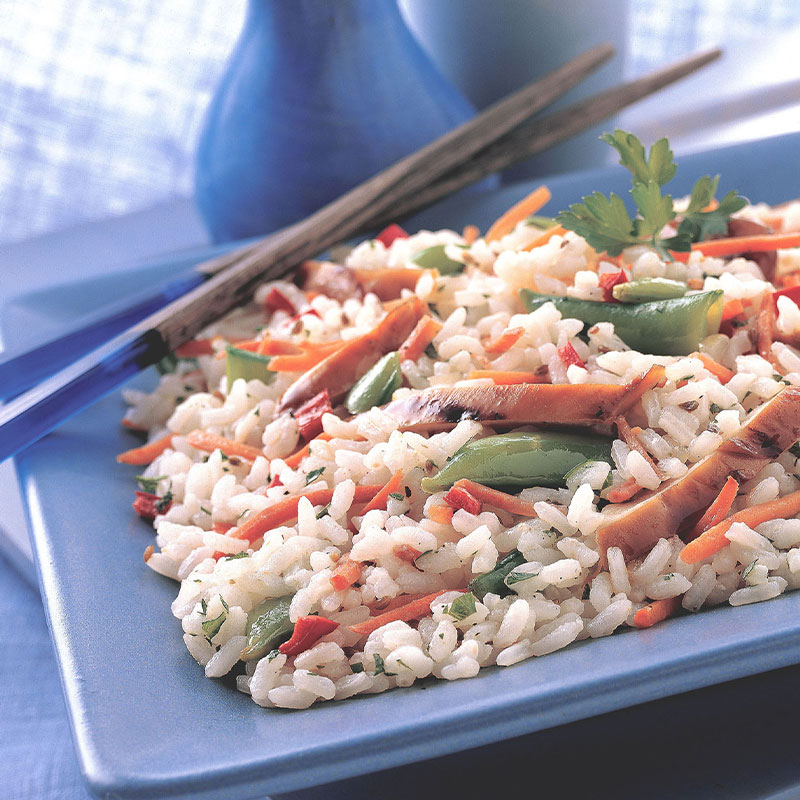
459 497
147 505
793 293
309 415
608 280
390 233
569 356
276 300
307 630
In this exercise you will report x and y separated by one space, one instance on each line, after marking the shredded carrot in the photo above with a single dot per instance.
718 248
295 458
624 491
407 553
714 367
195 348
713 540
284 510
545 237
304 361
718 510
657 611
131 426
209 442
505 341
732 309
345 573
764 325
422 335
496 498
628 435
524 208
222 527
420 607
382 497
503 378
443 515
695 283
140 456
470 233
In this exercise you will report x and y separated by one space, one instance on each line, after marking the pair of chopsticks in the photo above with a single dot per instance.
496 138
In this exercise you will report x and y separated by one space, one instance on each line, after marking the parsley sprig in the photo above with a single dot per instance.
608 227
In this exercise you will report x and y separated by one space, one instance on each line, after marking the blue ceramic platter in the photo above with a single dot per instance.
147 723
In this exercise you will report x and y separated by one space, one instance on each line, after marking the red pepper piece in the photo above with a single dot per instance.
390 233
607 282
569 356
276 481
405 552
307 630
276 300
793 293
148 505
461 498
309 415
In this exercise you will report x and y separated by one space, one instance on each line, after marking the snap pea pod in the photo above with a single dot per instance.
646 289
376 386
520 460
494 581
247 365
661 327
436 258
268 626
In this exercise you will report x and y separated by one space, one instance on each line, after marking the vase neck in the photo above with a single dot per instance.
314 17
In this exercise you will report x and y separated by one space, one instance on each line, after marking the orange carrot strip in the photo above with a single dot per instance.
732 309
420 607
286 509
345 573
470 233
295 458
503 378
422 335
717 248
195 347
714 367
713 540
209 442
496 498
524 208
146 453
637 387
718 510
545 237
441 514
627 434
655 612
131 426
382 497
764 325
304 361
624 491
505 341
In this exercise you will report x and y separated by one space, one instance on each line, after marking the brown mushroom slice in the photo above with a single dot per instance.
767 261
342 283
585 404
636 526
339 371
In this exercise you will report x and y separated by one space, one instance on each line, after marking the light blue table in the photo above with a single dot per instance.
731 741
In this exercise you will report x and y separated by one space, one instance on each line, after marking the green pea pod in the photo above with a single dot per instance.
661 327
646 289
376 386
247 365
520 460
494 581
268 626
436 258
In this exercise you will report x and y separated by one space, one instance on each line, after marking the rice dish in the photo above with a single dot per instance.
340 473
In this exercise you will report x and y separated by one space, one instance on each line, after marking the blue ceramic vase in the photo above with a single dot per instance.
318 96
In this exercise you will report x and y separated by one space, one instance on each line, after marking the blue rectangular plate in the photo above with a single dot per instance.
148 723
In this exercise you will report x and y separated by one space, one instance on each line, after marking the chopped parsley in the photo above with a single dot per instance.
517 576
397 495
314 474
203 606
795 449
149 485
211 626
205 510
430 351
324 511
242 554
163 503
748 569
462 607
715 409
272 655
357 667
224 604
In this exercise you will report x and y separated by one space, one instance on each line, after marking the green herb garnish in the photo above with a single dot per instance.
149 485
462 607
211 626
314 474
242 554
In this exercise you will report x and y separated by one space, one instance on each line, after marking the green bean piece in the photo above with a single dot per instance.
247 365
540 222
376 386
646 289
660 327
520 460
268 626
494 581
436 258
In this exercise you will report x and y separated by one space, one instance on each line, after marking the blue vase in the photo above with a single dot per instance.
319 95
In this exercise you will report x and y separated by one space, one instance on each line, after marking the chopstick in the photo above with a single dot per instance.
43 408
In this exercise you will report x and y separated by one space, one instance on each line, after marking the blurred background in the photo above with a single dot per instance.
101 103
